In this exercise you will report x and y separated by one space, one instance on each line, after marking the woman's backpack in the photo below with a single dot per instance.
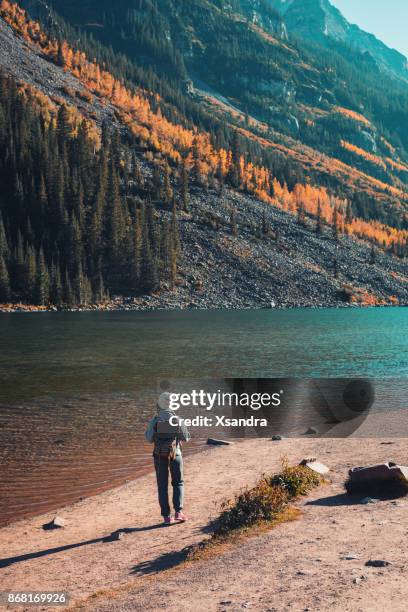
165 444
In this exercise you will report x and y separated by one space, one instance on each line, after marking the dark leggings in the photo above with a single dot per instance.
162 466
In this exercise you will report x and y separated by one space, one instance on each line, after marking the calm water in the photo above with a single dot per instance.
77 388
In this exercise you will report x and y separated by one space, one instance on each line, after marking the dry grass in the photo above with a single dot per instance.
257 509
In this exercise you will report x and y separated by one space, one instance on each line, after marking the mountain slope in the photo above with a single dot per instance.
335 99
109 217
319 20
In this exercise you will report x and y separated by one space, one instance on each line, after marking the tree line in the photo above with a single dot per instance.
76 220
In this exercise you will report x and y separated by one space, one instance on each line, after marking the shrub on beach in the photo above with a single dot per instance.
296 480
266 500
261 503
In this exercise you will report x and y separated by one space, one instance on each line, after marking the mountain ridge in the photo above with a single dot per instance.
329 23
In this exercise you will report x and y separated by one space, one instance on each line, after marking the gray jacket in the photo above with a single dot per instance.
164 415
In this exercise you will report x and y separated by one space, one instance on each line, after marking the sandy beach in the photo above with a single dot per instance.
316 562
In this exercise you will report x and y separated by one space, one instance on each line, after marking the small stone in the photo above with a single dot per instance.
369 500
350 557
277 437
226 602
316 466
216 442
57 523
377 563
114 537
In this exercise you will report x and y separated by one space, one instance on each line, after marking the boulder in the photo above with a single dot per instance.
377 479
380 472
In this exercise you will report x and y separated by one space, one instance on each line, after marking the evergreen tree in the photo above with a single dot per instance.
116 223
184 188
56 290
349 213
233 223
42 281
319 218
60 55
167 188
4 249
149 280
175 233
67 293
31 274
234 174
265 225
4 281
301 217
373 257
335 267
335 225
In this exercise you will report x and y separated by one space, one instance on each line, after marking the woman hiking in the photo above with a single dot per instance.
167 439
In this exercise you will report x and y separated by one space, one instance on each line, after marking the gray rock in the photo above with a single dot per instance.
377 563
115 536
369 500
57 523
277 437
216 442
316 466
378 474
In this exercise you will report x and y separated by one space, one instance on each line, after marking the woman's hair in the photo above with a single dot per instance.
163 403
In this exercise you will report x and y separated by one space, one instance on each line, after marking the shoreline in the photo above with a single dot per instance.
155 304
105 575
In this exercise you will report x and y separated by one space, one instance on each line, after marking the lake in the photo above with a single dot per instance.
77 388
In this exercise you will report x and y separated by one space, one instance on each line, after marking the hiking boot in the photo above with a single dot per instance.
168 520
180 516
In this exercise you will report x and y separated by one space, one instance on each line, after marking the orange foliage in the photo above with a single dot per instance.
374 159
155 132
352 115
396 165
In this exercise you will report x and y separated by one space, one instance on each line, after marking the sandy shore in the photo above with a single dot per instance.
296 566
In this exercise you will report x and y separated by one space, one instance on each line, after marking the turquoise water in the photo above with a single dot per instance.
68 353
76 389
